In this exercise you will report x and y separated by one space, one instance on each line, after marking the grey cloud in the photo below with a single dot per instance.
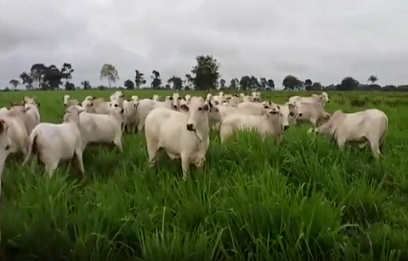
317 39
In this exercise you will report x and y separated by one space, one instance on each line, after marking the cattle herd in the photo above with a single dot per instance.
178 125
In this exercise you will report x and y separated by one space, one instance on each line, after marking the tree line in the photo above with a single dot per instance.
204 75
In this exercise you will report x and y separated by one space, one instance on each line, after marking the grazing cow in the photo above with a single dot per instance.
323 98
313 113
255 108
56 142
182 135
359 128
270 123
102 128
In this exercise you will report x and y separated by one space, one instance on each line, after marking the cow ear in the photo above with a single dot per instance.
206 107
184 107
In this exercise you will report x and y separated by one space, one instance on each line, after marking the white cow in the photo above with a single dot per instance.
135 98
118 97
147 105
313 113
130 114
270 123
18 134
254 108
68 101
181 135
99 106
323 98
5 145
290 111
360 128
102 128
56 142
29 114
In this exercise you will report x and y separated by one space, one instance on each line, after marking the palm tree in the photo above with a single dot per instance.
372 79
109 72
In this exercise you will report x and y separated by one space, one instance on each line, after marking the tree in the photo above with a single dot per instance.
37 73
109 72
129 84
253 82
189 80
86 85
291 82
27 80
206 72
156 82
234 84
222 83
263 83
52 78
176 81
308 84
139 79
15 83
66 72
316 86
348 84
372 79
245 83
271 84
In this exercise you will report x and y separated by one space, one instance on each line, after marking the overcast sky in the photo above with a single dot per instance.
324 40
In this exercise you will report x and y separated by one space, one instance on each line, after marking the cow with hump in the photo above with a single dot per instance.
183 134
271 123
360 128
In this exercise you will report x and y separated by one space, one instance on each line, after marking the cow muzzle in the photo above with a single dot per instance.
285 127
190 127
300 114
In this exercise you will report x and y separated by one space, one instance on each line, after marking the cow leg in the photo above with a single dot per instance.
79 157
340 143
118 142
313 122
152 151
140 125
375 148
185 165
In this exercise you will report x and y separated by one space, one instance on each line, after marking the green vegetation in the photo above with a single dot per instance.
305 200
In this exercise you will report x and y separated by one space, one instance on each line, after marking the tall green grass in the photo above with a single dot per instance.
304 200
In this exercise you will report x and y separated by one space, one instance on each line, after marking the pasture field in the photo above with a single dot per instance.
303 200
